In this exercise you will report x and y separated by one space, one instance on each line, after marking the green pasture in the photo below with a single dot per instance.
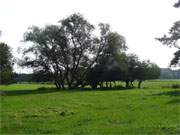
41 109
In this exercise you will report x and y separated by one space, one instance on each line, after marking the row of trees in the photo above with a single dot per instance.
167 73
72 54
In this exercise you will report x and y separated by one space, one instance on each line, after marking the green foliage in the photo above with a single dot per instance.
70 53
6 64
41 76
167 73
66 51
128 69
175 86
108 66
19 78
172 41
139 111
147 71
6 76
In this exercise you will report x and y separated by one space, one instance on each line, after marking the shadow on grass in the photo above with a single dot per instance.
175 101
118 88
44 90
169 93
25 92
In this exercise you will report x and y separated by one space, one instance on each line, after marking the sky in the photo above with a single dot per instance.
139 21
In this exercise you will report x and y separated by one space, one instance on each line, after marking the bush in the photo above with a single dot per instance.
175 86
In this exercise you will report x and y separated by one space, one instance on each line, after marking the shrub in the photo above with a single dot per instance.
175 86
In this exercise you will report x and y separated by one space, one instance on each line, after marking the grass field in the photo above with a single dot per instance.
153 110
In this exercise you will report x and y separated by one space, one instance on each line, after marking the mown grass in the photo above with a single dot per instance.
150 110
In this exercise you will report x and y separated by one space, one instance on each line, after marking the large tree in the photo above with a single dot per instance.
108 66
6 64
129 69
67 51
146 70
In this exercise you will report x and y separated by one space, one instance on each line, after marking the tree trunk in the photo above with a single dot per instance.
101 84
62 85
106 84
58 86
115 84
132 84
94 86
139 84
127 84
110 84
69 85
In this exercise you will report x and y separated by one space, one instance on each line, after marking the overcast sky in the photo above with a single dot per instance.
140 21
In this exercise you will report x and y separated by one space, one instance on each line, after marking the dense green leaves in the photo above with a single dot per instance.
129 69
71 54
6 63
67 51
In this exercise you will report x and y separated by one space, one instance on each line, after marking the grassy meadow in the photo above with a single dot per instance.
41 109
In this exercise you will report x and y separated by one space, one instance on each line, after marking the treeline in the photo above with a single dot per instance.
167 73
72 55
31 77
104 75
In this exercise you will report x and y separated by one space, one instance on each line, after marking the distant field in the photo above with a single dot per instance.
154 109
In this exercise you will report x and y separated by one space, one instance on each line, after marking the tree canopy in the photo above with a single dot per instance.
172 40
72 55
67 51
